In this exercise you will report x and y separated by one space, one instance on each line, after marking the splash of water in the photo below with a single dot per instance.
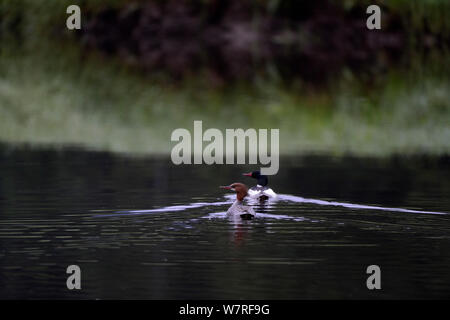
164 209
287 197
281 197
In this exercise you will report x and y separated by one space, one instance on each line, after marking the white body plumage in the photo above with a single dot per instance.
259 191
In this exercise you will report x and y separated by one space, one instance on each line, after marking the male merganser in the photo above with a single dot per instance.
261 191
238 209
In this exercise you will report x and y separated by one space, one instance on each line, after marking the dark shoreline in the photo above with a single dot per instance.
237 41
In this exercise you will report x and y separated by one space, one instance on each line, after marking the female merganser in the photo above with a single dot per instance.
261 191
238 209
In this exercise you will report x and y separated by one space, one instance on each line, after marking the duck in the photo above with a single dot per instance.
261 191
238 208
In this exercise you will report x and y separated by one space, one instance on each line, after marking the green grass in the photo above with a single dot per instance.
52 97
52 94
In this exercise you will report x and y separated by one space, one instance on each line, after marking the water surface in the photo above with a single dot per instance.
144 228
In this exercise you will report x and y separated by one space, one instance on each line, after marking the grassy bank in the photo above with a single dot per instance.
50 97
54 93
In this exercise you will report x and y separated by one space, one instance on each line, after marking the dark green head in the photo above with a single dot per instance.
262 179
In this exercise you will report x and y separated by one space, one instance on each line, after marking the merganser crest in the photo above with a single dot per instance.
213 153
238 208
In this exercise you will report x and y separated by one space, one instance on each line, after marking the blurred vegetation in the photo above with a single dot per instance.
41 15
55 91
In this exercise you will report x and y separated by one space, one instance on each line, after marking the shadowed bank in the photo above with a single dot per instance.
314 71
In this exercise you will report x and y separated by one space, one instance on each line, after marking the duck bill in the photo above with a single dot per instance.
247 174
225 187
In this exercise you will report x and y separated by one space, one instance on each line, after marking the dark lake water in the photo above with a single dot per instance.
147 229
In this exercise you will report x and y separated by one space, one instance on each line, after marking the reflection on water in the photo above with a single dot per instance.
143 228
